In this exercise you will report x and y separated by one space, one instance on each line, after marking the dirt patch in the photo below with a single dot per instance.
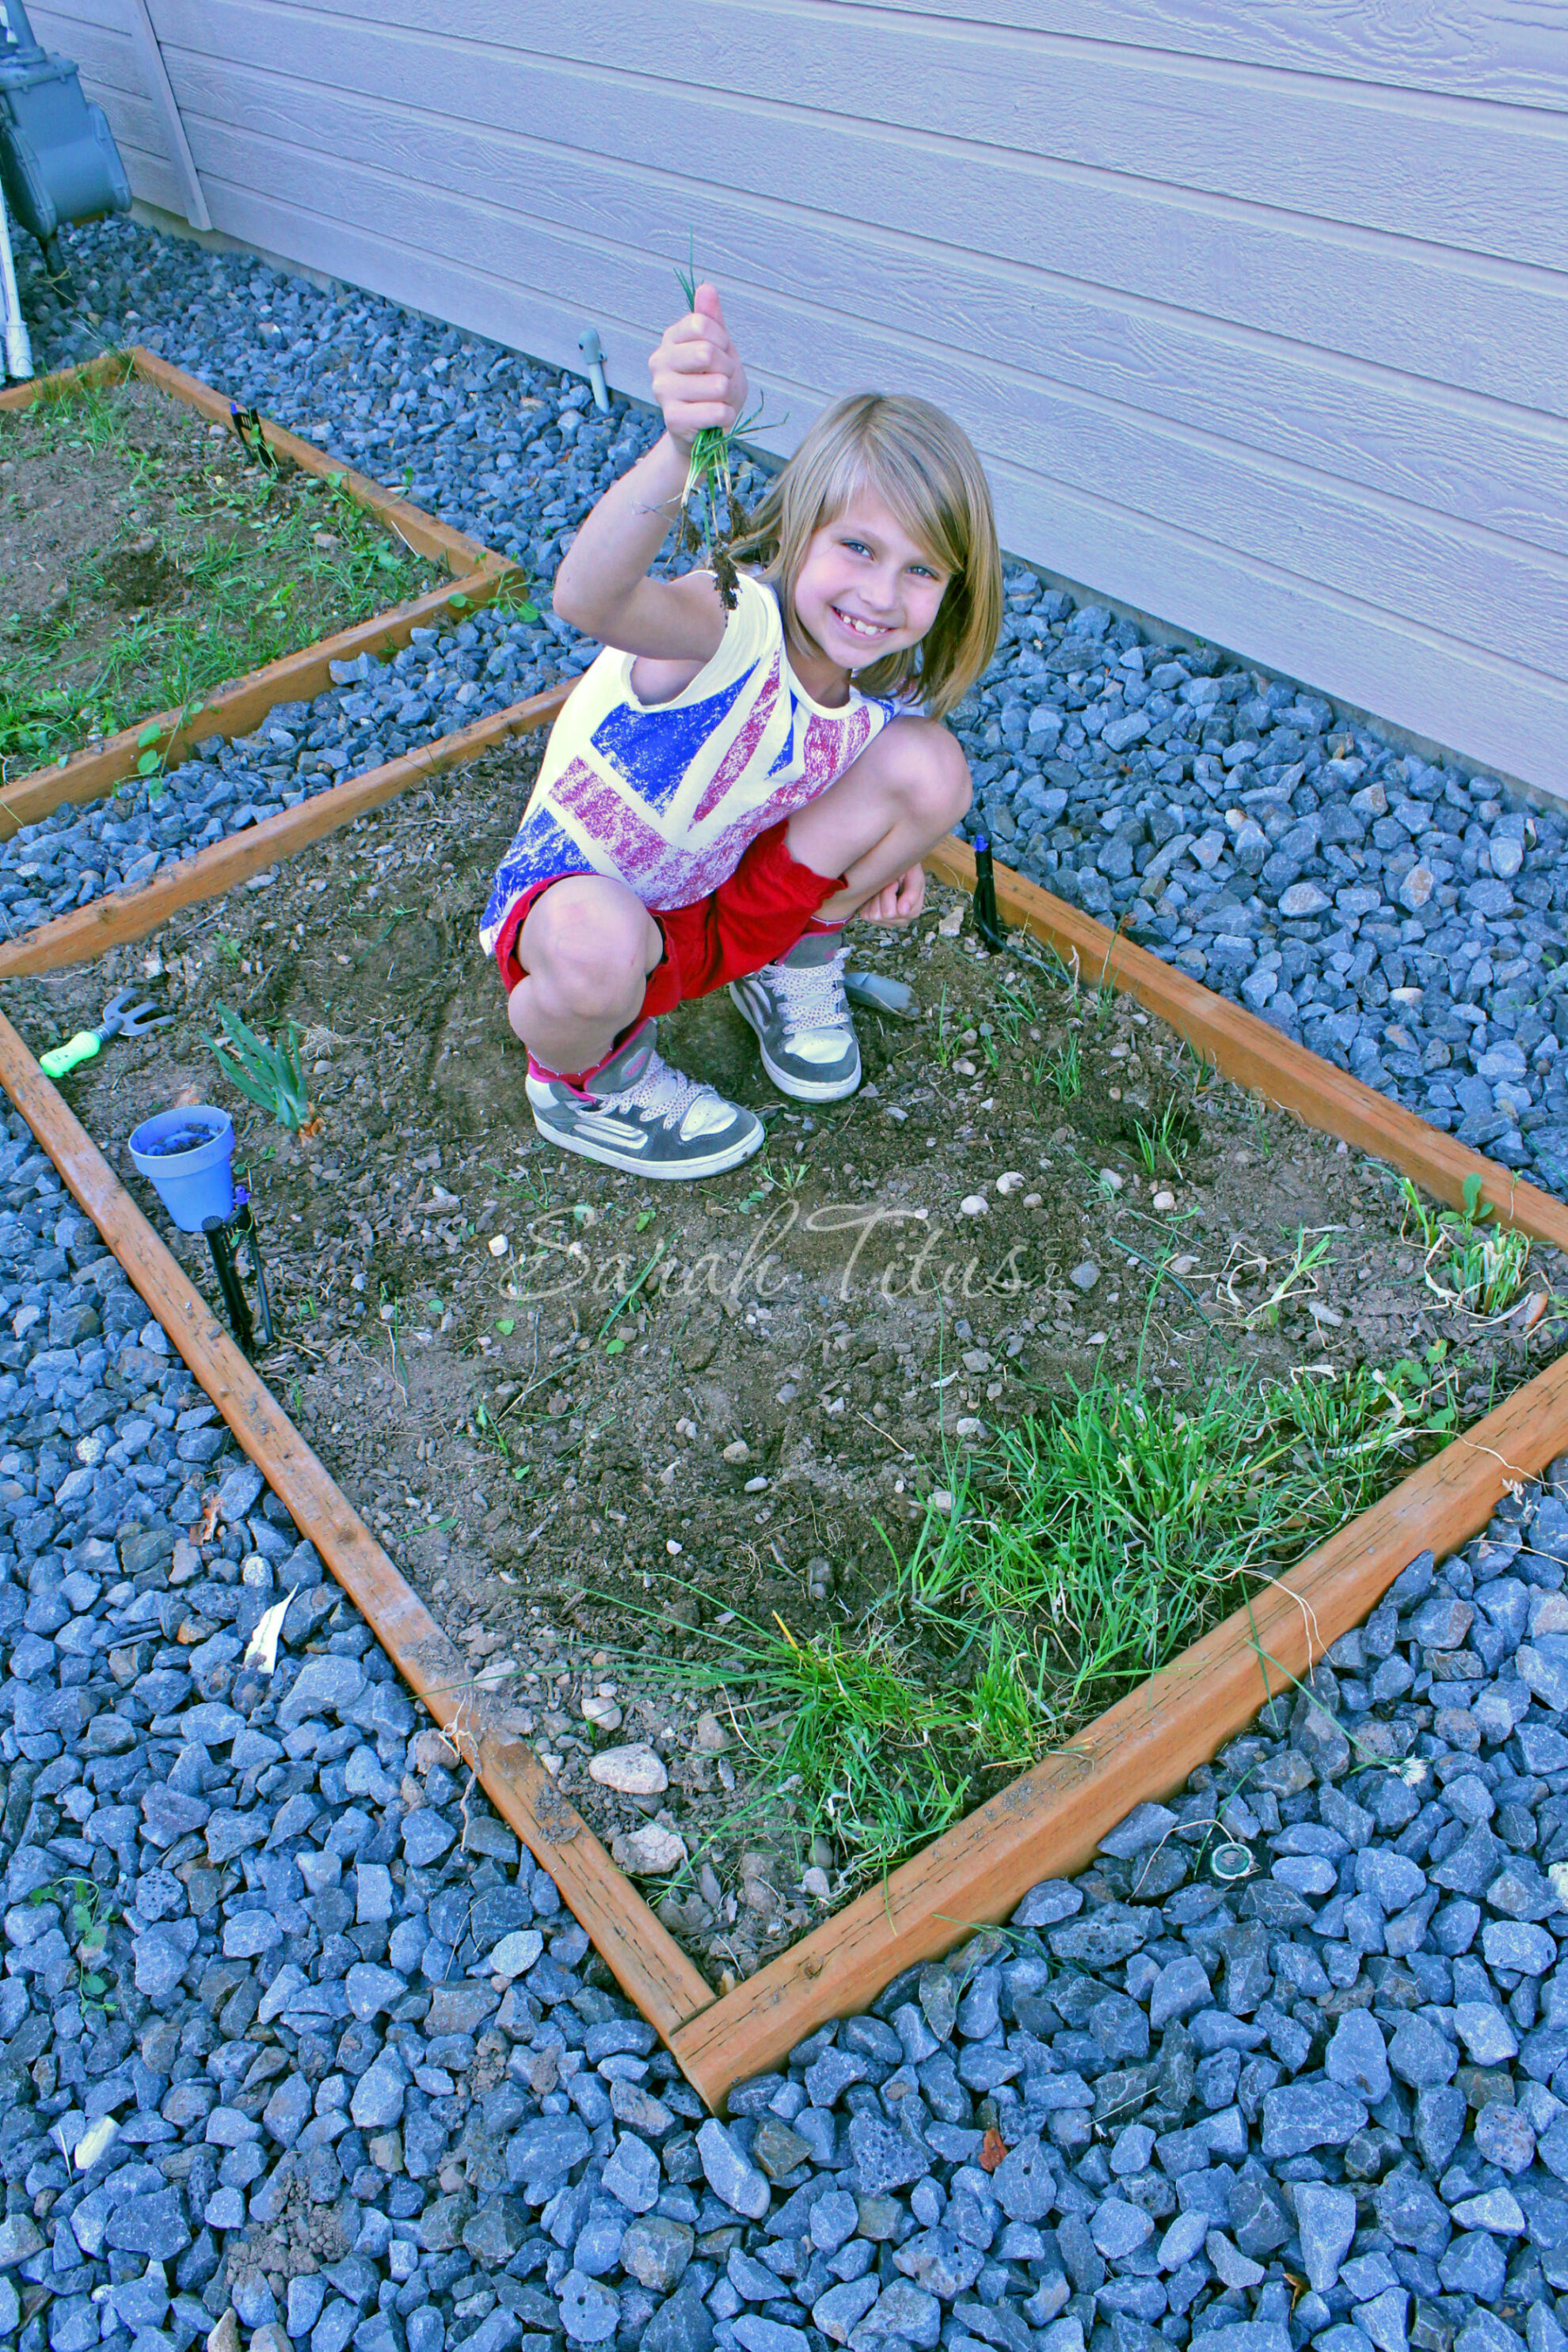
599 1422
148 558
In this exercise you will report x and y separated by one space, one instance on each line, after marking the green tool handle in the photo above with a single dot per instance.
76 1050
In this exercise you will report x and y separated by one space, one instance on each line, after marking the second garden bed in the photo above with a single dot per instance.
148 558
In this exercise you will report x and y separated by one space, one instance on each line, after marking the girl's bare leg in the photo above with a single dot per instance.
909 787
586 949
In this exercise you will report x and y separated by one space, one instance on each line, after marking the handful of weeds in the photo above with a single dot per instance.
709 484
270 1076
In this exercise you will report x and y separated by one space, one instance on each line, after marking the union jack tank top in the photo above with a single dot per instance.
667 797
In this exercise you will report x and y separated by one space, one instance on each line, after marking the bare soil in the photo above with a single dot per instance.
112 511
581 1473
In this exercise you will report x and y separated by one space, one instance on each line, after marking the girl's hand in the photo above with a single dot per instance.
698 379
897 902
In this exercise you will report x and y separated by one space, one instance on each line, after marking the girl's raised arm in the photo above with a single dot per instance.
602 585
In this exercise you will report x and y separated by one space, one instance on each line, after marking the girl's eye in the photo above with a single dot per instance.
857 547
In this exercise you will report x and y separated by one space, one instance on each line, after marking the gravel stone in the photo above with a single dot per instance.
634 1772
590 2311
1326 2218
655 2250
731 2176
1420 2055
1358 2057
1303 2116
632 2174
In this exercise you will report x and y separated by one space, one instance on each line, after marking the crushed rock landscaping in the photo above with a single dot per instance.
297 2044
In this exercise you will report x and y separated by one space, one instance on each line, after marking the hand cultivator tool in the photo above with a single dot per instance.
120 1020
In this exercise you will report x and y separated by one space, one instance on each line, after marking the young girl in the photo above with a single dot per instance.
726 788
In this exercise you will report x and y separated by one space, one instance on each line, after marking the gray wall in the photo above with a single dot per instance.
1257 309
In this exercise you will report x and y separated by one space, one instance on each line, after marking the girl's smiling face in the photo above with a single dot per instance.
866 588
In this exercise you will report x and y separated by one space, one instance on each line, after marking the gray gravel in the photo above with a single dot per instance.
442 681
1403 918
367 2085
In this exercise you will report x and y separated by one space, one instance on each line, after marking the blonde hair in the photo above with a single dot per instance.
925 467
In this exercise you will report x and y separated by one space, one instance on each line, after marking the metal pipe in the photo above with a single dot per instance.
19 33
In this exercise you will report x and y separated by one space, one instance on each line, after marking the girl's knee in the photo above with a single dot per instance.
935 782
586 951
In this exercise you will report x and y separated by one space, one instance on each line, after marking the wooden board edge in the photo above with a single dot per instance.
422 531
124 915
1256 1055
1048 1824
233 708
646 1962
104 369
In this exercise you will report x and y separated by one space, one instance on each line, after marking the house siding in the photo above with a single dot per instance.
1257 310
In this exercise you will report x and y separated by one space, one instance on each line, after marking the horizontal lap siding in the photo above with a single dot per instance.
1256 309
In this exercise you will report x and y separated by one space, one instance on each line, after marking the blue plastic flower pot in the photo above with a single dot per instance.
195 1182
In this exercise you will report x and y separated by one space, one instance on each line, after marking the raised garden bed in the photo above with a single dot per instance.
158 745
524 1460
152 560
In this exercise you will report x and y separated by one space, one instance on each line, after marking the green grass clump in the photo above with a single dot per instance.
1162 1144
1107 1532
1082 1552
1472 1262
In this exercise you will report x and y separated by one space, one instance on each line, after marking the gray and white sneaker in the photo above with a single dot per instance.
644 1115
801 1014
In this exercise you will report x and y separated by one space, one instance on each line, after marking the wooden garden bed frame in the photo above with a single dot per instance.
476 573
1045 1825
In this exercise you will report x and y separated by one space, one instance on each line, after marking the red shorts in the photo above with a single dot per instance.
750 920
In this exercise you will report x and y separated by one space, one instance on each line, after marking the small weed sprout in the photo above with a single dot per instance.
1162 1145
1064 1070
86 1918
268 1075
1472 1262
1300 1275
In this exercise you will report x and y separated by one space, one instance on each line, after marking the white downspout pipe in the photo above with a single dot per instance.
18 344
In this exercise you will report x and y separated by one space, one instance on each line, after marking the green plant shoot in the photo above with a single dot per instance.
270 1076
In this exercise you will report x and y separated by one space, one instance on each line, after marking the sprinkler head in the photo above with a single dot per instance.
1231 1863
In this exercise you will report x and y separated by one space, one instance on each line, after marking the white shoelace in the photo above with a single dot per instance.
661 1093
810 996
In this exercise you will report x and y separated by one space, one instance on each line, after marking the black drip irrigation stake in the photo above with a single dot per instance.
228 1238
987 922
